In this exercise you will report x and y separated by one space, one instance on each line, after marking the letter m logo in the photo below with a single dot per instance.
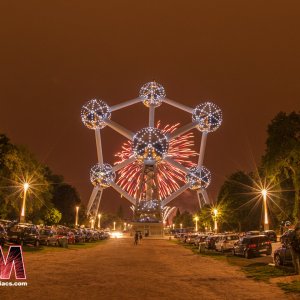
14 260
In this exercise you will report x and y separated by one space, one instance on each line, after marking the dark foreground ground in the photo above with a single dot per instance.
116 269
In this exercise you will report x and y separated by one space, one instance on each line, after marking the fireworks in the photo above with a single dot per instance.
168 177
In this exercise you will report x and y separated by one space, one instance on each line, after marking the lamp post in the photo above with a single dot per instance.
76 216
114 225
196 220
92 223
264 193
180 225
25 188
125 224
99 220
173 225
215 212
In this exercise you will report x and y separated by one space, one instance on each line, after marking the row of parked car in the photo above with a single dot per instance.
25 233
248 244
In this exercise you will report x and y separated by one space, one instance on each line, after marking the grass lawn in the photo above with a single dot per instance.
262 271
292 287
42 248
256 270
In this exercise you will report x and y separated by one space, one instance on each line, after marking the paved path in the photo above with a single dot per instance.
116 269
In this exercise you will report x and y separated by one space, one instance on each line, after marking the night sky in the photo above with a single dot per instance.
56 55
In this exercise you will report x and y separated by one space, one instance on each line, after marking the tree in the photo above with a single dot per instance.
176 219
205 218
52 217
18 165
281 161
236 202
186 219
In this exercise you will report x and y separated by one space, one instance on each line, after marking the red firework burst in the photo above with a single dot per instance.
168 177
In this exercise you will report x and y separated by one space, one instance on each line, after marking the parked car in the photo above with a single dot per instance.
62 238
79 236
200 239
250 246
253 232
48 237
6 223
23 233
191 238
226 242
71 237
271 234
210 242
3 236
283 256
285 236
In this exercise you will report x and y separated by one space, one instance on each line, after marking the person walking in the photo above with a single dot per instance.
136 238
140 237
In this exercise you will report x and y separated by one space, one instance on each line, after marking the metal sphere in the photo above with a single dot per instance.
152 94
148 205
208 116
198 178
148 211
150 145
102 175
94 112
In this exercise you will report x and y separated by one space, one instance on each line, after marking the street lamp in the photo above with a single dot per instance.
25 188
92 223
114 225
180 225
125 224
196 220
76 216
264 193
99 218
173 225
215 212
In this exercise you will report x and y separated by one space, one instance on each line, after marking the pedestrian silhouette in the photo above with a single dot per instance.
136 238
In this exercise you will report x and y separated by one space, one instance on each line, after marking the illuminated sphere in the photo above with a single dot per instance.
208 116
102 175
198 178
148 205
150 145
94 112
152 94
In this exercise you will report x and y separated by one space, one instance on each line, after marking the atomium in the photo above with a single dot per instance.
150 149
152 93
93 114
198 178
102 175
150 145
208 116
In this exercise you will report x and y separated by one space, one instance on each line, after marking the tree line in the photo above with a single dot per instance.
50 200
239 199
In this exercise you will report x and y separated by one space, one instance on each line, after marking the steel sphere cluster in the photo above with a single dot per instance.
102 175
198 178
152 94
208 116
94 112
150 145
